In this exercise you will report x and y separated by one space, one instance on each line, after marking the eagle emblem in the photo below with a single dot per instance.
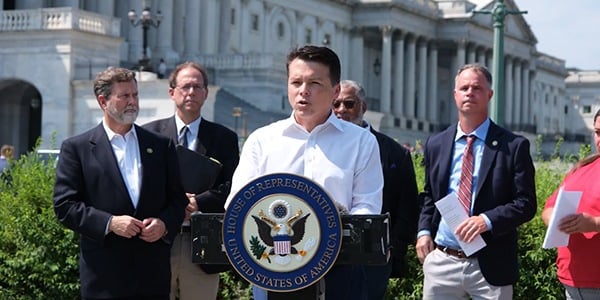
280 231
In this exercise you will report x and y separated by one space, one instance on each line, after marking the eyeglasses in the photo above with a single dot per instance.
187 88
349 104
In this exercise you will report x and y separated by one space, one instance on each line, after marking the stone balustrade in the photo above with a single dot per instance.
59 19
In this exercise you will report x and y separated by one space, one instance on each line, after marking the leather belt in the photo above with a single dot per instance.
186 229
452 252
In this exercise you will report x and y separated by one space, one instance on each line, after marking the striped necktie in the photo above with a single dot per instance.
465 186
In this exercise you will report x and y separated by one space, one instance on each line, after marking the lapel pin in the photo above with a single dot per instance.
494 143
149 150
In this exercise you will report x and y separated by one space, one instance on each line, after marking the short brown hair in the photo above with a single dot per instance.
478 68
195 65
104 80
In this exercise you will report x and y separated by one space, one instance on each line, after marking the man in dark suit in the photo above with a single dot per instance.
188 88
498 196
399 189
117 186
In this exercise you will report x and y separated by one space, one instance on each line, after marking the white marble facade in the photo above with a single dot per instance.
405 53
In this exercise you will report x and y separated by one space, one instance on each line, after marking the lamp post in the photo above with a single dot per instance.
498 12
377 67
146 20
236 113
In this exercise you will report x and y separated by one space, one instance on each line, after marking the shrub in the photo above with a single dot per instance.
38 256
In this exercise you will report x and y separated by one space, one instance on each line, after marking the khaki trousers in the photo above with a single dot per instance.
188 280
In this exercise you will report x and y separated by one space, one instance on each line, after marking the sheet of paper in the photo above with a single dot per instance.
566 204
454 214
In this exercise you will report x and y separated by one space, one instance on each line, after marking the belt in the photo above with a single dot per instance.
186 229
452 252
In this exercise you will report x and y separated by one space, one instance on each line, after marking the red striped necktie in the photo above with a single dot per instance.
465 185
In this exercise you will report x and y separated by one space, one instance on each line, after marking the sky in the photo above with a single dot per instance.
566 29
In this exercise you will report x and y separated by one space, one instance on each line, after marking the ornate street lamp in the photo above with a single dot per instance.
146 20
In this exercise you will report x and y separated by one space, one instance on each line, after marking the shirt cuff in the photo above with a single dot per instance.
107 229
487 222
422 233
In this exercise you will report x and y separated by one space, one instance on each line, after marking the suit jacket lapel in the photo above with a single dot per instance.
102 150
169 128
491 145
146 152
445 160
202 138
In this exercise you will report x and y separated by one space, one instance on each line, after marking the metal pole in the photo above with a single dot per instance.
498 101
498 13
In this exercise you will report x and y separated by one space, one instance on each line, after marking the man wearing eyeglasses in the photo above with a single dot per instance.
399 189
188 88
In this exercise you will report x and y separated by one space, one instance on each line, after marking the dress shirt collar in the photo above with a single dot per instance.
332 120
194 126
480 132
111 134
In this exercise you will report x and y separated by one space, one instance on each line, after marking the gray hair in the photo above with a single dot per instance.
359 91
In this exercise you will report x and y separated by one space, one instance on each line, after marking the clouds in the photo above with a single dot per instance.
569 30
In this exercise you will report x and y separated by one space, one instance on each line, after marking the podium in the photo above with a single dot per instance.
365 241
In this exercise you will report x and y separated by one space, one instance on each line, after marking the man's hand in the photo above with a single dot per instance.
579 223
470 228
191 207
154 229
424 247
125 226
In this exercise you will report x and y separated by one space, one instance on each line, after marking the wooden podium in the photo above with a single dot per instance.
365 241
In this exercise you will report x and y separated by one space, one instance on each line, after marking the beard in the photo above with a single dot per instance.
125 117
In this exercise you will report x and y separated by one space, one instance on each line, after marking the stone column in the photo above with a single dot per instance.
164 45
398 104
192 29
29 4
422 92
357 54
526 96
409 95
344 43
509 101
88 5
460 55
518 103
135 34
481 56
210 26
489 63
432 70
178 28
66 3
106 7
244 26
386 69
471 51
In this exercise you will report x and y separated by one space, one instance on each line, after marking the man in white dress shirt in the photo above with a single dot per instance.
340 156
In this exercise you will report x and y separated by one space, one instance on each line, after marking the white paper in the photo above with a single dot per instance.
566 204
454 213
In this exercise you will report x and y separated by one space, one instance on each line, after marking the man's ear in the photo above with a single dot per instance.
363 105
102 101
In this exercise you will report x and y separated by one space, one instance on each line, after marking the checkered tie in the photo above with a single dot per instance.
465 186
183 136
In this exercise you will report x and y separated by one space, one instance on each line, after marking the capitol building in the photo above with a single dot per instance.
404 52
